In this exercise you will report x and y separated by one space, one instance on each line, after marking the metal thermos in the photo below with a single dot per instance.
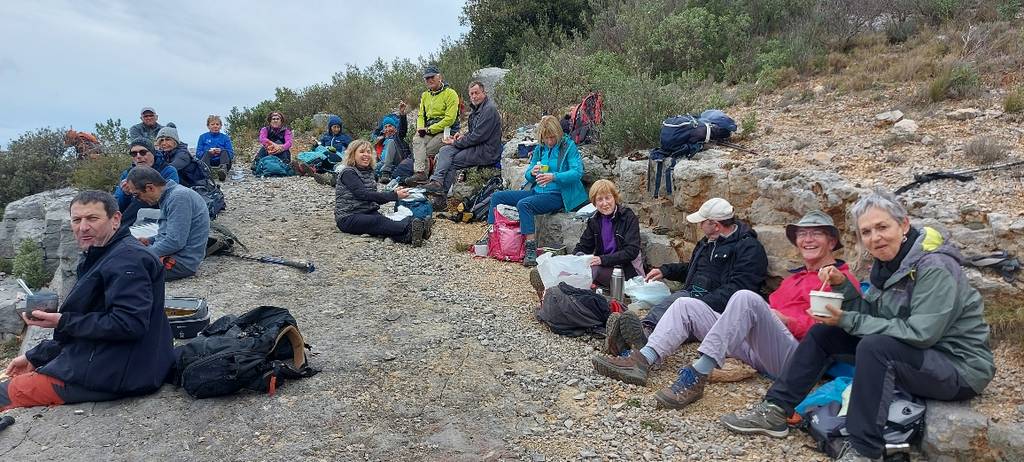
617 281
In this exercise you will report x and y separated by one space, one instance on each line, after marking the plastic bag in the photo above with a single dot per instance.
650 292
570 269
401 212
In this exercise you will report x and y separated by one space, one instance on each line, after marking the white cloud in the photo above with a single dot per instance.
68 63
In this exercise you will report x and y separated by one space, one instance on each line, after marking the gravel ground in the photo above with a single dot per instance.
427 354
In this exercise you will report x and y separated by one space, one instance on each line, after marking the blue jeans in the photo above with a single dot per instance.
529 203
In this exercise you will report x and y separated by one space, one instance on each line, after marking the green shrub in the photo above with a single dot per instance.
34 162
113 137
900 31
500 29
547 82
1014 101
28 265
6 265
1008 9
956 82
101 173
748 124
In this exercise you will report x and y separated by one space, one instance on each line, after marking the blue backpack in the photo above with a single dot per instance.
421 208
271 166
684 136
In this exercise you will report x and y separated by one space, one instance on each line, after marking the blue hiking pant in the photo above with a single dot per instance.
529 203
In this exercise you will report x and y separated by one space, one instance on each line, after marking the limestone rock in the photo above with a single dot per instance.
964 114
42 218
320 120
513 172
953 431
657 249
596 168
491 77
889 117
10 323
632 180
904 128
559 229
511 148
1006 441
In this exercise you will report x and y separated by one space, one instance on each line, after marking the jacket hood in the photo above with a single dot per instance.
930 242
332 121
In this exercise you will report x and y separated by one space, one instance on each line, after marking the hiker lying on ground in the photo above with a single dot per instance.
184 222
729 258
111 338
176 153
554 172
214 148
391 147
439 109
480 146
357 202
276 139
761 334
920 328
612 235
142 153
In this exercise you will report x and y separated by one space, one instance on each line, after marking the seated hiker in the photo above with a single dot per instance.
439 109
276 139
111 338
143 153
480 146
176 153
391 145
184 222
86 145
357 201
148 127
335 141
214 148
555 171
761 334
920 328
612 235
729 258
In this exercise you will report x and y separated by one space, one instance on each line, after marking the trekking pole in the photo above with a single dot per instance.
729 144
959 175
302 265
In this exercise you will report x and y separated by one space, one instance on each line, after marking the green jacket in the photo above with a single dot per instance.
438 110
927 303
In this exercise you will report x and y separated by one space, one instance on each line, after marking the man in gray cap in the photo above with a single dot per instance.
148 128
761 334
439 110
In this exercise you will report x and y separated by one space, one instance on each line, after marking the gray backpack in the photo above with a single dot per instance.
573 312
904 426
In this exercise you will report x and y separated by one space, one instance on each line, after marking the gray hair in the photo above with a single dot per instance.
881 200
140 176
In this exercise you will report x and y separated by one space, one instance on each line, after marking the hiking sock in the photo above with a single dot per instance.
704 365
649 354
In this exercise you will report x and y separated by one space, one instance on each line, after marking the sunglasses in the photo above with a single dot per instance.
140 152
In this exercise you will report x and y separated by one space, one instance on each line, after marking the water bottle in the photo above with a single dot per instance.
617 281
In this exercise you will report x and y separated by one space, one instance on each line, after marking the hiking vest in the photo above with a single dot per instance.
346 203
277 136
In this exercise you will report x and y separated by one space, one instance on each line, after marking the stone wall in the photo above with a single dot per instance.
43 218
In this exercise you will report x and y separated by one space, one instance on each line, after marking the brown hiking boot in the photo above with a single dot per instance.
537 283
630 369
689 387
417 179
614 344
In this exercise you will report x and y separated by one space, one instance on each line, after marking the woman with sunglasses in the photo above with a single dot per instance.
143 153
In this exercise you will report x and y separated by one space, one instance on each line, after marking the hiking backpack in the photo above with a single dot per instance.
684 136
585 116
903 427
474 208
210 191
258 350
573 312
271 166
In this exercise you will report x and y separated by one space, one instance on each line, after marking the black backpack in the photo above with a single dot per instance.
258 350
903 427
573 312
209 190
475 207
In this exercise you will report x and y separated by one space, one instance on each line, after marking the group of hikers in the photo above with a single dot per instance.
917 326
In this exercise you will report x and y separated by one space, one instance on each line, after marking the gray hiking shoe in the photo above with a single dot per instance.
849 454
530 259
630 369
765 419
428 228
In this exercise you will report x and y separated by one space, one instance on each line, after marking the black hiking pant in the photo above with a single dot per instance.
882 364
375 224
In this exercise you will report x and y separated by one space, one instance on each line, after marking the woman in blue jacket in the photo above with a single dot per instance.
214 148
555 171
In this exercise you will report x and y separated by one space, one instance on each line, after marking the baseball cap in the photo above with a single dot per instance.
716 209
147 109
430 71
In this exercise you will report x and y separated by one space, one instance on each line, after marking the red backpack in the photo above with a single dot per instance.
584 116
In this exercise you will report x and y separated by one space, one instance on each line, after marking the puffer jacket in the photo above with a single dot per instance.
356 193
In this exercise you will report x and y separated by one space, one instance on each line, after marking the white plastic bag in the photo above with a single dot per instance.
650 292
570 269
400 214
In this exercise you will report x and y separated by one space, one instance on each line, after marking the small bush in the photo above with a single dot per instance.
986 150
748 125
6 265
957 82
898 31
1014 101
28 265
101 173
35 162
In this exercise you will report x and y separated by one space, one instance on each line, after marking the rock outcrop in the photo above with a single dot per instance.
43 218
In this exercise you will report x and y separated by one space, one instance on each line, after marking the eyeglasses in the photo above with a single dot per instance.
140 152
811 233
148 115
275 118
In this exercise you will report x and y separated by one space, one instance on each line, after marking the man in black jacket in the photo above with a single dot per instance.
111 337
481 146
728 259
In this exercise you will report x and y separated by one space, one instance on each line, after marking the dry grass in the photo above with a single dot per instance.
986 150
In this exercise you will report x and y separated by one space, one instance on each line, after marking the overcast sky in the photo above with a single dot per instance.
73 64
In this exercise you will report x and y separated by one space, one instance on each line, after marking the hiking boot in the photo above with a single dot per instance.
428 228
689 387
613 343
849 454
765 419
530 258
631 330
434 187
630 369
537 283
415 233
221 174
326 178
417 179
385 178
